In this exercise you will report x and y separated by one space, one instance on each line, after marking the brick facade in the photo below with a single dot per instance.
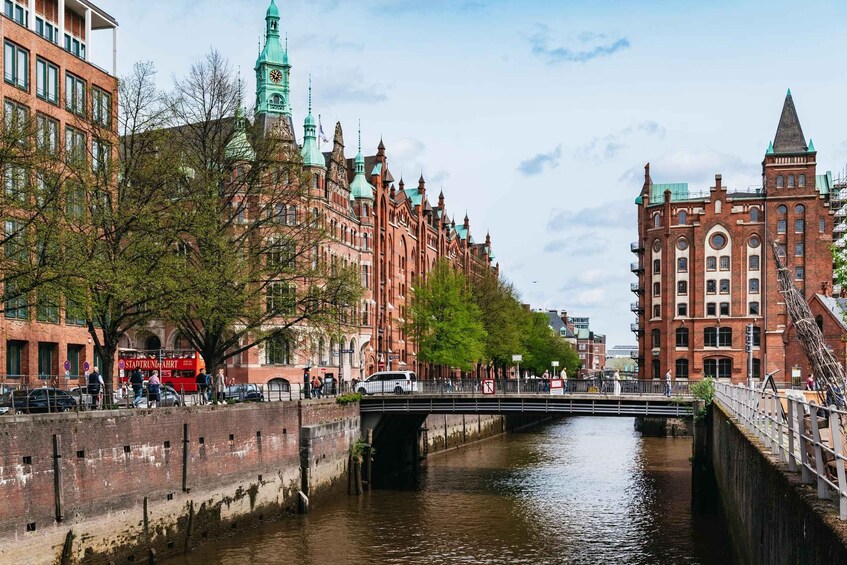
706 269
24 335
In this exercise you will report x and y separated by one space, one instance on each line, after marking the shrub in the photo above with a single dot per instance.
348 398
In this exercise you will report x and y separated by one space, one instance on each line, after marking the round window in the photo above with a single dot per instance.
657 246
754 241
682 244
718 241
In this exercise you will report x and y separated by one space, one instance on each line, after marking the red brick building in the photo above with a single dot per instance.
706 270
393 233
48 78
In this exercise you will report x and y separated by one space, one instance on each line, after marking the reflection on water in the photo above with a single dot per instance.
583 490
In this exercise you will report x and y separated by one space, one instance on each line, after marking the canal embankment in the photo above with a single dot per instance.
125 485
772 517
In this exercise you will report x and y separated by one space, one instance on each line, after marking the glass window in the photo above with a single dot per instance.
101 106
754 214
822 225
711 263
719 368
683 218
657 266
757 336
682 265
655 338
655 369
724 261
657 220
790 181
780 181
74 313
100 154
16 65
682 244
799 249
682 337
753 262
47 81
74 94
14 358
799 273
754 242
718 241
724 286
799 225
754 308
710 337
46 359
16 304
801 181
75 149
47 133
711 286
657 289
799 209
15 183
682 309
781 226
781 210
15 118
47 309
711 309
75 200
754 286
15 244
682 288
278 350
724 308
280 298
682 368
724 337
657 311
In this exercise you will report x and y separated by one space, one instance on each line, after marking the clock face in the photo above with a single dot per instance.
276 76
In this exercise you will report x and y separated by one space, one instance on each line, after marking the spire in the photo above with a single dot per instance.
272 69
467 221
770 149
272 20
811 148
421 185
311 153
441 199
402 184
360 187
789 135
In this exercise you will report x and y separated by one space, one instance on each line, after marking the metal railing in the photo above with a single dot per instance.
805 435
527 386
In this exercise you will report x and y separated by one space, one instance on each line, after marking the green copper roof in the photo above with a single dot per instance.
414 196
272 69
823 183
462 232
770 149
311 153
679 192
239 147
273 11
811 146
360 187
377 170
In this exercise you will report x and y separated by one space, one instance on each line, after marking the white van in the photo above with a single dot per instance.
389 382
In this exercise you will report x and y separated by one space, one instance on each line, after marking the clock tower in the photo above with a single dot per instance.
273 70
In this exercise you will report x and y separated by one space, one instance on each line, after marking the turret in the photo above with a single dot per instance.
360 187
272 69
311 153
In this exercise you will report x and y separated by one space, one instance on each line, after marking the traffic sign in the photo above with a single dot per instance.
554 363
517 358
346 351
67 365
86 366
121 364
488 386
557 386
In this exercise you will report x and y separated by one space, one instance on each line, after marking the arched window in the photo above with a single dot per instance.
790 181
292 215
801 181
819 322
683 218
799 209
657 266
682 337
277 350
754 214
655 338
153 342
781 210
657 220
719 367
780 181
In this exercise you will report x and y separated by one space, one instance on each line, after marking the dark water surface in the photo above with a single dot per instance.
582 490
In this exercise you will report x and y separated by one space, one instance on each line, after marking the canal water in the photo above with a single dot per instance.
581 490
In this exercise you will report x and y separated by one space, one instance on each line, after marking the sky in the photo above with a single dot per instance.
535 116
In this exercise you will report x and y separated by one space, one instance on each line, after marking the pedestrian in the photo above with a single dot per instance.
136 380
315 384
564 376
94 381
810 382
220 386
617 383
208 387
201 387
153 384
668 383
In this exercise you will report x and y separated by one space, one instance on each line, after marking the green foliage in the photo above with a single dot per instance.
542 345
503 318
445 321
704 390
361 449
348 398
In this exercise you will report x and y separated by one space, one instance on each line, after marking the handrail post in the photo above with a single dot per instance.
805 475
792 464
837 440
778 421
819 468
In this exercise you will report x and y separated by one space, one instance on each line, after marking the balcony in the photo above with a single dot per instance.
636 247
636 307
636 268
636 329
635 355
636 288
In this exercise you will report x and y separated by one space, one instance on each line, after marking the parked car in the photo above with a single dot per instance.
38 400
168 396
244 392
386 382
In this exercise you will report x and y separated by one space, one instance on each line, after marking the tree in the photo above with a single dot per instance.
255 265
122 223
503 318
542 346
444 320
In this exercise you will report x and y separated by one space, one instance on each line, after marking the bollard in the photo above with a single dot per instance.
57 477
185 444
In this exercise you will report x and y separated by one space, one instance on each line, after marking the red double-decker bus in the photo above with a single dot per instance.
177 367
